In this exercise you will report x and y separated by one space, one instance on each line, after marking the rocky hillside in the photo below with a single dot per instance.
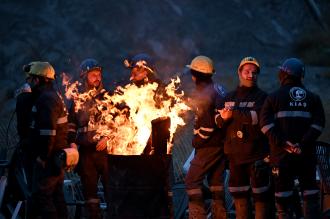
65 32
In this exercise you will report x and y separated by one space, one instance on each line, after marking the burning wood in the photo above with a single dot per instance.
126 116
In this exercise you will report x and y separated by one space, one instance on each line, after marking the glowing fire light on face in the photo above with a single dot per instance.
125 117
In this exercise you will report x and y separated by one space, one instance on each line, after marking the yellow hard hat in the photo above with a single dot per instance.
202 64
43 69
249 60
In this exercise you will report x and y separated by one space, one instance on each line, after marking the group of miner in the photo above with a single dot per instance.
267 141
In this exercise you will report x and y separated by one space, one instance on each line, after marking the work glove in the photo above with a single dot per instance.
292 148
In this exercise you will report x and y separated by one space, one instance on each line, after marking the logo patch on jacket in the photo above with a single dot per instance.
297 94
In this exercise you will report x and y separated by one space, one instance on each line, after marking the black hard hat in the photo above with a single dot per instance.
88 65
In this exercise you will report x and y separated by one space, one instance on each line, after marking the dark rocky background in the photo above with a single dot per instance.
66 32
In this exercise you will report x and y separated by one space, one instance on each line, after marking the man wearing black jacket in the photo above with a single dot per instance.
208 143
24 103
48 136
245 145
293 118
93 154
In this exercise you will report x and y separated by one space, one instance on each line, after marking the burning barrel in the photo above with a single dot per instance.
140 183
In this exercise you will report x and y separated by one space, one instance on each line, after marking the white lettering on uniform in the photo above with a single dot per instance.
299 104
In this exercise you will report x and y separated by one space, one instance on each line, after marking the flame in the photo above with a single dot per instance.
125 117
72 92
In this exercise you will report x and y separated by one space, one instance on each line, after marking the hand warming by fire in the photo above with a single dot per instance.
124 118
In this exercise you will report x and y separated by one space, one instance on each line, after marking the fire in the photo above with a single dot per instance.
125 117
72 92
